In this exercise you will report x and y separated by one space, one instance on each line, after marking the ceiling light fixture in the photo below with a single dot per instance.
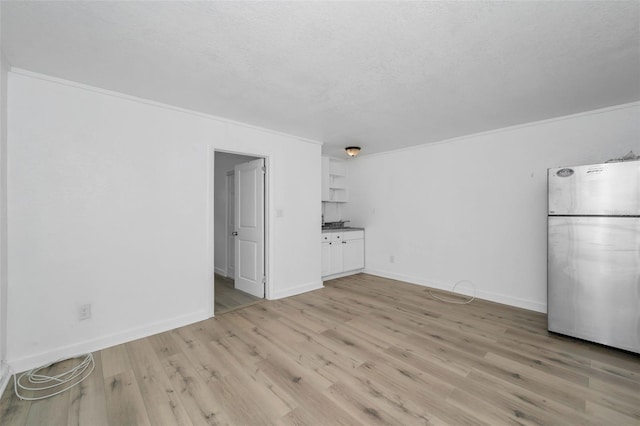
352 151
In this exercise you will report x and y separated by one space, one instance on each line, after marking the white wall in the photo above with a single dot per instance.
333 212
475 207
111 203
224 162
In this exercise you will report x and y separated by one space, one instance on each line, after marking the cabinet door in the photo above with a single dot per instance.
326 254
353 254
335 258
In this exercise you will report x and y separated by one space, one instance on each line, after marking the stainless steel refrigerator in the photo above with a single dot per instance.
593 274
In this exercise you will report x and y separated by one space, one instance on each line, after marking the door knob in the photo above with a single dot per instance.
235 234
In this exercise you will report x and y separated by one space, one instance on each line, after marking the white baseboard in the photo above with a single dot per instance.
33 361
221 271
296 290
480 294
342 274
5 375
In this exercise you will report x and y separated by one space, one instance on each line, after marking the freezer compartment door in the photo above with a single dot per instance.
594 279
611 189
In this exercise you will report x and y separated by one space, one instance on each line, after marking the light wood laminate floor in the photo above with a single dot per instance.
228 298
363 350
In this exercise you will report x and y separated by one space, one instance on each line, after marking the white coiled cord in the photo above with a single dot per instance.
453 290
43 382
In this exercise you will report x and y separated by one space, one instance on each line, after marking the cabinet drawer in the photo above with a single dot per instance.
353 235
331 237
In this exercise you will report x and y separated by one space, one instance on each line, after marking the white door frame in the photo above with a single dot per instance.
268 224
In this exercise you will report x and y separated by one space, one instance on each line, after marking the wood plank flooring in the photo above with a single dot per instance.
228 298
363 350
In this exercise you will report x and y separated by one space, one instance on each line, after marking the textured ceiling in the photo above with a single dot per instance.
383 75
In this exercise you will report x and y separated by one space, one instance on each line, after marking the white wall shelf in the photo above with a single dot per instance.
334 180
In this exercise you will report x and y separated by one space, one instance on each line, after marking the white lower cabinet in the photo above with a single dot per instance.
342 252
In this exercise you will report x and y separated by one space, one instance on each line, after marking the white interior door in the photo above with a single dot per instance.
231 225
249 218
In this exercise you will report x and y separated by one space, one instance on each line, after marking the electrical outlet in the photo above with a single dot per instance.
84 312
392 259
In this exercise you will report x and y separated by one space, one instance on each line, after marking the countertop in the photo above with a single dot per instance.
345 229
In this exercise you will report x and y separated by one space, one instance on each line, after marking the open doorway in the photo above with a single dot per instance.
239 231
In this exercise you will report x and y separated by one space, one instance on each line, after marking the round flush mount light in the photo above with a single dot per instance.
352 151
